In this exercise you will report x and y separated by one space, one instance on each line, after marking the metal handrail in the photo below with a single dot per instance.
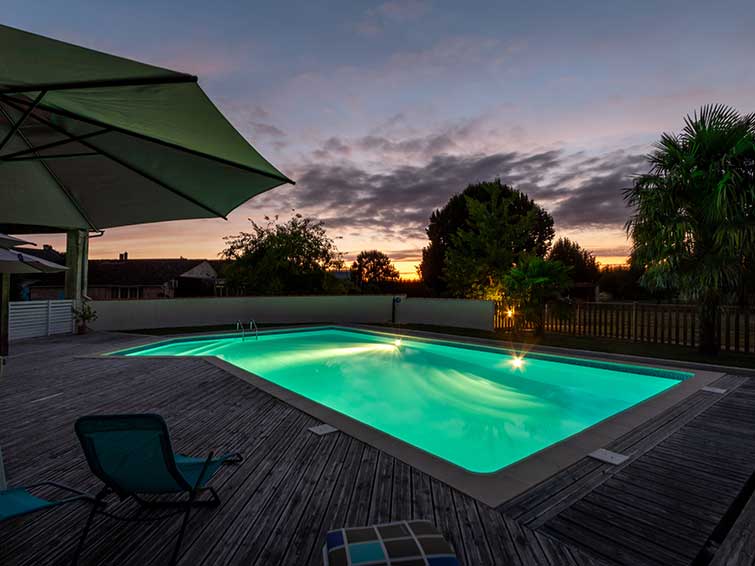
240 327
253 324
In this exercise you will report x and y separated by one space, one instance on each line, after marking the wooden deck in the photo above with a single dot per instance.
684 497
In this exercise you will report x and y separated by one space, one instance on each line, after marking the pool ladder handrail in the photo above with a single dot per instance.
252 326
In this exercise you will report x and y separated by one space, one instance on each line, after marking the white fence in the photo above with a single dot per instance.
462 313
212 311
217 311
28 319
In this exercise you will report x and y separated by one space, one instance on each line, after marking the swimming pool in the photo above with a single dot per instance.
481 409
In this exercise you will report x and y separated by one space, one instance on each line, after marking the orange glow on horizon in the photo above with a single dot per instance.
141 244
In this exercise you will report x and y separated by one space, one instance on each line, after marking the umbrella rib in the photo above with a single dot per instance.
53 156
51 145
104 83
22 119
52 174
127 165
93 122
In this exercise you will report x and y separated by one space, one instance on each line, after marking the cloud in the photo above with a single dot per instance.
394 11
401 255
332 147
267 130
395 203
402 10
597 200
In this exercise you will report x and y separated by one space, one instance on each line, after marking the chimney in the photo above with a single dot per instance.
123 256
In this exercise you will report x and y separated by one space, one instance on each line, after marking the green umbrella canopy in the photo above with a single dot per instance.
91 141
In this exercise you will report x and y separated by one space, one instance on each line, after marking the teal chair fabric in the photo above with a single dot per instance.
18 501
133 456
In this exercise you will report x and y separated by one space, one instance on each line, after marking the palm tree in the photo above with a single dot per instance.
694 222
534 282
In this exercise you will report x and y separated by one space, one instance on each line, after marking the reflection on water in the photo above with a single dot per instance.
480 410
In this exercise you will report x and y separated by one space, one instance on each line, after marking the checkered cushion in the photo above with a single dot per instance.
404 543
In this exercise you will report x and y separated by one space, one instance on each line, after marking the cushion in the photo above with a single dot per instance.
403 543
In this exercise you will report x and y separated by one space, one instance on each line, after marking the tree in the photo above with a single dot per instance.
532 284
445 222
584 266
693 226
500 227
371 269
282 258
622 283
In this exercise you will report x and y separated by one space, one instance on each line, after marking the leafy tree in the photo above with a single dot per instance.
282 258
584 266
445 222
622 283
500 228
532 284
371 269
694 222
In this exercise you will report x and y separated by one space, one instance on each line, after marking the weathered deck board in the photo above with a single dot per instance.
554 495
668 502
293 486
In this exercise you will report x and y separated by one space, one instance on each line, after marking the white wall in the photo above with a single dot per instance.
215 311
207 311
463 313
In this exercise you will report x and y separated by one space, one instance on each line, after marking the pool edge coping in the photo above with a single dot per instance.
494 488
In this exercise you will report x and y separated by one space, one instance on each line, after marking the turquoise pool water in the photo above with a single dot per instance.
477 408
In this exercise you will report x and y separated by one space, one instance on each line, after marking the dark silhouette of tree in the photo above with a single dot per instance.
454 216
693 225
282 258
622 283
532 284
371 269
584 268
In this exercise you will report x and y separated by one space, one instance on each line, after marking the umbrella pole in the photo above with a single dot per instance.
4 316
4 311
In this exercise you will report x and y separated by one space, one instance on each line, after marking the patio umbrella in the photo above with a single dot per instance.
90 141
15 261
7 241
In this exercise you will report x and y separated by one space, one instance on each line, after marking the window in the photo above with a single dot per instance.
126 293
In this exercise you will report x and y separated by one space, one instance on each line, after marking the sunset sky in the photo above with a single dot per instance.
381 111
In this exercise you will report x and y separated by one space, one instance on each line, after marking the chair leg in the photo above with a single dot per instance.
95 505
184 523
215 500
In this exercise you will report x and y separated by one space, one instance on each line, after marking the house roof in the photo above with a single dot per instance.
138 271
143 272
47 252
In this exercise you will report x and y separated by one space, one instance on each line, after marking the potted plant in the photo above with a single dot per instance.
84 315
